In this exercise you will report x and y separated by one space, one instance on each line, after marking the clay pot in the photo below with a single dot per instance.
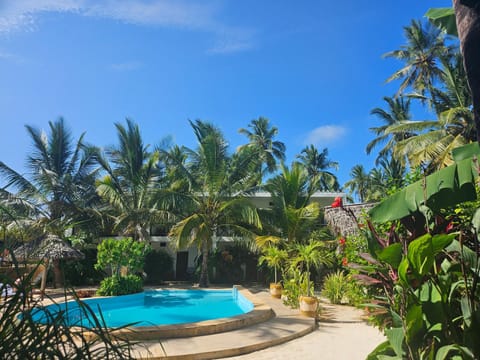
308 305
276 290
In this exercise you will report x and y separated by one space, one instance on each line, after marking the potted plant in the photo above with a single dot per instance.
309 255
274 258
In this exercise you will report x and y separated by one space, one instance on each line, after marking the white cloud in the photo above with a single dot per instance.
232 40
202 15
324 135
126 66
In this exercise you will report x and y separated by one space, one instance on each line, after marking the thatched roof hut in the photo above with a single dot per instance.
343 220
50 247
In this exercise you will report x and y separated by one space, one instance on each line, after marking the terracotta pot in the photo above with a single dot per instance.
276 290
308 305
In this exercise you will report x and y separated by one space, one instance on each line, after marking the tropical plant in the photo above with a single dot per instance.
292 216
275 258
116 254
398 111
425 45
262 145
308 256
317 164
335 287
24 338
214 204
59 183
131 183
359 182
120 285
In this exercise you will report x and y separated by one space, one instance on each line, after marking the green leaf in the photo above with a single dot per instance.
392 255
476 221
441 241
396 338
403 271
444 19
420 254
444 352
415 325
384 349
466 151
447 187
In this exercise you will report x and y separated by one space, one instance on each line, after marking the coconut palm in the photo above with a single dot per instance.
398 110
59 181
130 186
262 145
425 44
214 204
317 164
292 216
359 182
432 147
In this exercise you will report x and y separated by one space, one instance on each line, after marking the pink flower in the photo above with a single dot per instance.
449 227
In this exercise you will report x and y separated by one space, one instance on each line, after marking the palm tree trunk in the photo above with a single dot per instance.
203 282
468 26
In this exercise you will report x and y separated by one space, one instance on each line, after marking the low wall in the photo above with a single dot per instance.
342 221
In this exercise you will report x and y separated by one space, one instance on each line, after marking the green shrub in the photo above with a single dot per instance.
295 284
335 287
158 266
120 285
121 253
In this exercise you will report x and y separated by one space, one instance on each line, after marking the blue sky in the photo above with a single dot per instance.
314 68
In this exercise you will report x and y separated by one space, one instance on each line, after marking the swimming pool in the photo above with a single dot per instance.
152 308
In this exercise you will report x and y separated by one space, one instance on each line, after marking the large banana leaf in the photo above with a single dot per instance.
447 187
443 18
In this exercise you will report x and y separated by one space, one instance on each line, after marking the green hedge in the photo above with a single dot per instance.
120 285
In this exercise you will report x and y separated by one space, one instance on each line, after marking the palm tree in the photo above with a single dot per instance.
292 216
131 184
398 111
425 45
214 204
274 257
316 164
59 180
359 182
308 255
262 145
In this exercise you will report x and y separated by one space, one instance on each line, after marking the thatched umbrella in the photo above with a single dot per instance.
49 247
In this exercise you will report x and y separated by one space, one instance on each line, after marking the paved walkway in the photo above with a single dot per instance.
341 335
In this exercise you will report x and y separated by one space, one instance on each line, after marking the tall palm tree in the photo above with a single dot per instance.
317 164
262 145
214 204
292 216
432 147
398 110
59 181
359 182
425 44
131 184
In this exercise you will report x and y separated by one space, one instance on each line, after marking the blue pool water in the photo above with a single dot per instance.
153 307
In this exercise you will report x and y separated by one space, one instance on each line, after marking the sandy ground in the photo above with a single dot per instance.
341 335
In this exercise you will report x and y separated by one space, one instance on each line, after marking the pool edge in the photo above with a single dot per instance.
260 313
